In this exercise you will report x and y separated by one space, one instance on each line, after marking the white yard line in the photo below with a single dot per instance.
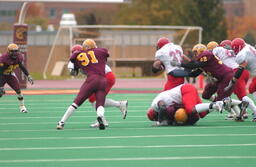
125 147
124 137
138 128
128 159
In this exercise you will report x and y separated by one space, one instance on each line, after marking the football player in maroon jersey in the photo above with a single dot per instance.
9 61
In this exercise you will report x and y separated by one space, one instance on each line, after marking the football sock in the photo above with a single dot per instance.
251 103
202 107
100 111
69 112
108 103
21 99
111 103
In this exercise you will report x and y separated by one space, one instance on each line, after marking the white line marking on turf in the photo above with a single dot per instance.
124 137
148 128
128 159
125 147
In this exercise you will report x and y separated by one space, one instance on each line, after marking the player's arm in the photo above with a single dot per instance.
193 64
25 71
236 76
157 66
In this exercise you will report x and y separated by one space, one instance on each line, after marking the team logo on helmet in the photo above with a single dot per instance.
89 44
181 116
161 42
211 45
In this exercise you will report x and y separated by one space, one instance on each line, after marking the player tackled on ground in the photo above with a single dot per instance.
8 63
185 100
92 60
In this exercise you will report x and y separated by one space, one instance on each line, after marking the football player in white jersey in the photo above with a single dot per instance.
227 56
246 58
184 96
121 105
166 53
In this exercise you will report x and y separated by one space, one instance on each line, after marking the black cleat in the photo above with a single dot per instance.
101 124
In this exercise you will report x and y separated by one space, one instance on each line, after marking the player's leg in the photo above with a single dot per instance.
85 91
252 90
209 90
173 82
100 101
221 93
190 98
121 105
13 82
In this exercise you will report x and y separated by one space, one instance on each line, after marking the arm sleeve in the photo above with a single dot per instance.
195 73
179 73
194 64
23 69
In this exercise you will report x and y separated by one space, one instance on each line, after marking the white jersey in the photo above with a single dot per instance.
248 55
170 97
71 67
226 56
166 54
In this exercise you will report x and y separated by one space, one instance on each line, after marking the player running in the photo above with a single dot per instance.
92 61
8 63
167 52
111 79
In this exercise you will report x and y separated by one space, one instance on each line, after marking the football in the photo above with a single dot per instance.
158 65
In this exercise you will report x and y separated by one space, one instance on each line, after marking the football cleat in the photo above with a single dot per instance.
123 108
96 124
23 109
60 125
101 123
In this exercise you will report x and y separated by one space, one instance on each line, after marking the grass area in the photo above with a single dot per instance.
29 140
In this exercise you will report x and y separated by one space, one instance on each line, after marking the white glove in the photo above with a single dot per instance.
30 80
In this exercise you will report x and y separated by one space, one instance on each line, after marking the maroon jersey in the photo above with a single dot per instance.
91 61
214 66
10 64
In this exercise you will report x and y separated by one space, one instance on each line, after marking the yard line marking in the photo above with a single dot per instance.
125 147
149 128
124 137
128 159
43 123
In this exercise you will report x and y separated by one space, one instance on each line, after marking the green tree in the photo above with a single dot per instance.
208 14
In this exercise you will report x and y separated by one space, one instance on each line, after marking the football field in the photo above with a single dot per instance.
31 140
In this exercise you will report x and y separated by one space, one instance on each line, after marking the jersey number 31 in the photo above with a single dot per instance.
84 58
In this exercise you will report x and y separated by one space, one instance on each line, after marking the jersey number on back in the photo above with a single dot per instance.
84 58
